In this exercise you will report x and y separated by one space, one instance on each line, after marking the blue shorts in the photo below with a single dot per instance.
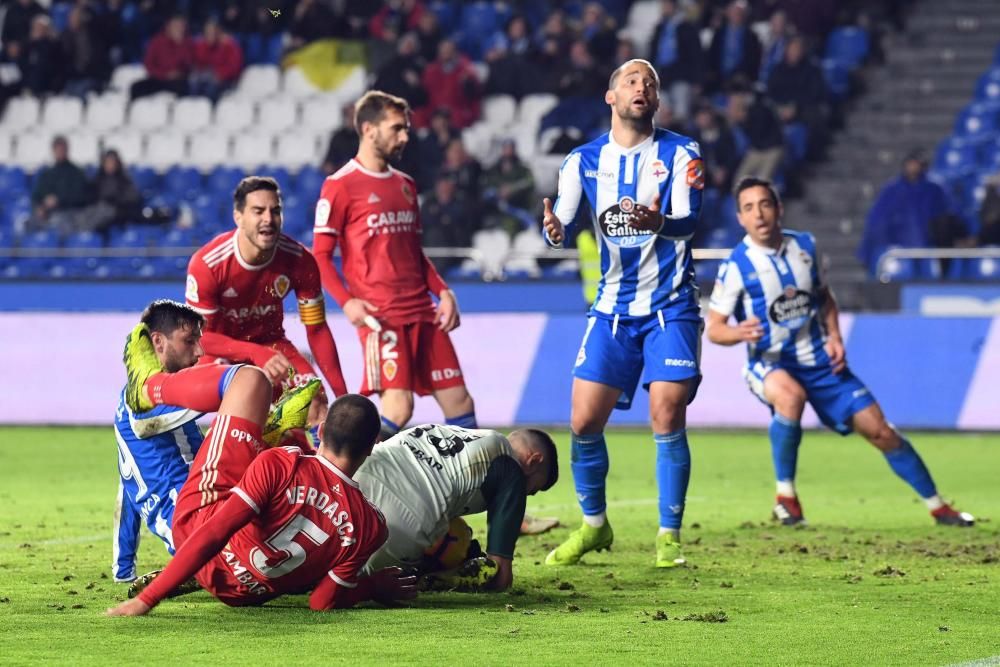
615 353
836 397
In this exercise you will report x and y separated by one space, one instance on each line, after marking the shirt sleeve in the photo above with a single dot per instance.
505 491
570 192
728 289
343 586
161 419
331 209
201 291
683 201
309 291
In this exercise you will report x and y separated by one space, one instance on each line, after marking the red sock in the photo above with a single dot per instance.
196 388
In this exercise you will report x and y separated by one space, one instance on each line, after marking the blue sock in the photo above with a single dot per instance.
389 428
589 456
673 469
906 463
468 420
786 435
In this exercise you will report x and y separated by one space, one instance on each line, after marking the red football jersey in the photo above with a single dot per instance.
312 521
244 301
376 218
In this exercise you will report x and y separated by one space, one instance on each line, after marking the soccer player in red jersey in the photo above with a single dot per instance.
254 523
371 210
238 282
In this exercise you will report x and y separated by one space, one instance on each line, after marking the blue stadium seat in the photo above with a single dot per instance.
447 14
479 20
32 267
135 236
40 239
207 211
954 153
848 46
178 238
979 119
988 85
986 268
797 141
185 182
837 78
146 179
222 181
13 183
59 13
706 271
84 240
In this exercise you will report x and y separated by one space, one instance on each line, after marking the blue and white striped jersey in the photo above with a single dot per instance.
643 272
781 288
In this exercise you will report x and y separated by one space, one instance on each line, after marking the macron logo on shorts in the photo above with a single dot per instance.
685 363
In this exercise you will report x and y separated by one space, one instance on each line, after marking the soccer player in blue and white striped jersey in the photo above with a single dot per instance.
643 186
774 286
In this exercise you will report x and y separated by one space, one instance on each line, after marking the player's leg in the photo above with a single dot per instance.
787 399
606 374
904 460
388 372
301 374
127 526
437 371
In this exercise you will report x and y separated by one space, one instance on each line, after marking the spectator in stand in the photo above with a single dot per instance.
431 144
218 61
60 192
343 142
429 34
43 66
735 49
812 18
556 28
508 56
313 20
580 77
510 186
797 87
395 18
451 82
17 23
118 198
764 135
86 54
989 213
599 31
774 47
719 148
677 55
400 75
447 220
903 212
169 59
464 169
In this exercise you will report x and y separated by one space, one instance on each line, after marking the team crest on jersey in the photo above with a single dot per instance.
322 213
191 291
659 170
389 368
281 286
408 192
626 204
696 175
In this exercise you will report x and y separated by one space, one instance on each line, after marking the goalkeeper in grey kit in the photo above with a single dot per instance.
425 476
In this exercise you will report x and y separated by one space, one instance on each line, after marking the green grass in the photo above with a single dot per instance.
789 597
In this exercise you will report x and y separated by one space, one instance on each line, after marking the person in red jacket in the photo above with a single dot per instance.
451 83
168 61
218 61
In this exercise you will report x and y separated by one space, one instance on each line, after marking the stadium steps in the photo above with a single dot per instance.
911 101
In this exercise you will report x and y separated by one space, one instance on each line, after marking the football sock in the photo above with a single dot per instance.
197 388
389 429
786 435
906 463
589 457
673 469
468 420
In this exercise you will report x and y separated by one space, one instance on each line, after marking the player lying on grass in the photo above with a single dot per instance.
424 477
254 523
773 285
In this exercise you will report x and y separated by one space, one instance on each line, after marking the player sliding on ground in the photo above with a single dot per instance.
253 523
773 285
425 476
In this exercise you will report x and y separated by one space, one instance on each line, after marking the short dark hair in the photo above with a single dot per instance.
753 182
372 106
253 184
542 442
613 79
352 426
165 316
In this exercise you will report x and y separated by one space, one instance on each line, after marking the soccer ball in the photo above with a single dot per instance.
453 548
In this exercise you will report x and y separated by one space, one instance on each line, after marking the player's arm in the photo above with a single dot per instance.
830 317
726 294
556 219
204 543
505 491
312 312
684 192
447 315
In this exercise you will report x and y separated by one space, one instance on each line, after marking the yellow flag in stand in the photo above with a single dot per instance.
327 63
590 264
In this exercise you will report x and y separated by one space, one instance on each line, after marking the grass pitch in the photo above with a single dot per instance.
872 581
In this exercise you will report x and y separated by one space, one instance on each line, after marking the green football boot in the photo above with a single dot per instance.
668 551
291 411
141 362
580 541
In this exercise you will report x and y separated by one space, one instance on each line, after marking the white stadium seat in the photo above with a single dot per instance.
499 110
62 113
478 141
278 114
296 85
34 149
297 149
208 150
259 81
165 149
526 241
534 107
252 150
545 169
491 246
22 112
525 141
192 113
150 113
322 113
125 75
127 142
84 147
7 145
353 86
234 113
106 111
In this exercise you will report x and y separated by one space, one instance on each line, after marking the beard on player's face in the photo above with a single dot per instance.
387 146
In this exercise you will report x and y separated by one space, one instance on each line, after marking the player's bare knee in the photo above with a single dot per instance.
788 399
252 381
585 422
884 437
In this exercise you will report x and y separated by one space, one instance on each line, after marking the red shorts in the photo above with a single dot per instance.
417 356
303 369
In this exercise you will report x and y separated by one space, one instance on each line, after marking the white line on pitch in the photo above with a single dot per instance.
992 661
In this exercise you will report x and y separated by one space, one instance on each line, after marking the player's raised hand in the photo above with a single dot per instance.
553 226
838 355
647 218
359 312
750 330
391 584
133 607
447 316
276 368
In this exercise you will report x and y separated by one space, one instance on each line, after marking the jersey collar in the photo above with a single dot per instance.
645 143
368 172
246 265
337 471
764 249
